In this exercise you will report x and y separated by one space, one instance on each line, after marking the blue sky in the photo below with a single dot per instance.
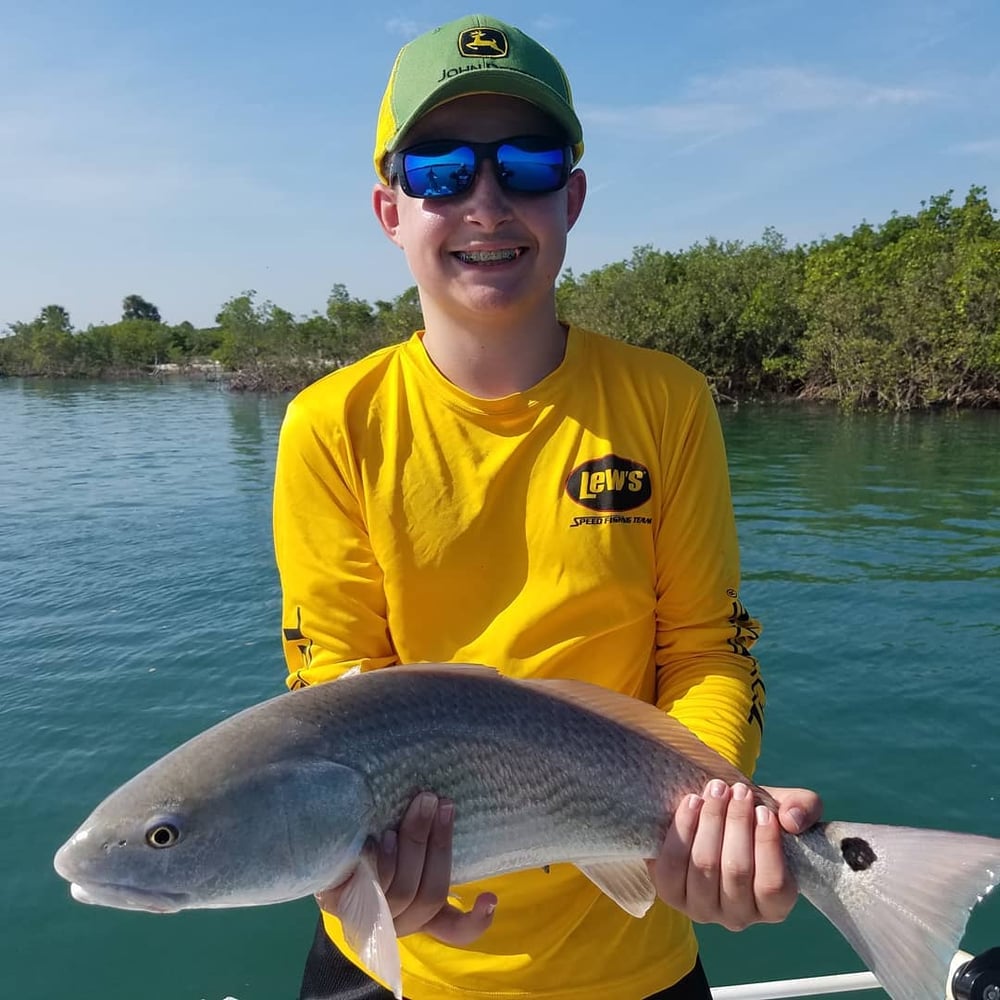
191 150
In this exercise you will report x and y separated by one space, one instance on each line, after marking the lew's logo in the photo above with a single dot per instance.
610 484
477 42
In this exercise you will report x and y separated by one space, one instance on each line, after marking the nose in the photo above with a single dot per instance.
487 204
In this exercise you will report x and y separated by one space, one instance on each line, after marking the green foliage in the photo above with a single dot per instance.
45 344
626 300
270 349
55 318
908 315
249 333
396 320
136 307
725 308
48 345
133 343
904 314
188 343
345 333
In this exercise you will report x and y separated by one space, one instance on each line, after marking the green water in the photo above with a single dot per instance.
139 604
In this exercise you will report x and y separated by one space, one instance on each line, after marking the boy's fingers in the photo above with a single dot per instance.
704 874
411 851
669 871
385 858
435 879
799 808
737 906
775 890
458 927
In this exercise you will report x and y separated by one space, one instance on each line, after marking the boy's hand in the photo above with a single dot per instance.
722 860
414 869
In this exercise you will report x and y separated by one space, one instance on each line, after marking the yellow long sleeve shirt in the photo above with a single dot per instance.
582 528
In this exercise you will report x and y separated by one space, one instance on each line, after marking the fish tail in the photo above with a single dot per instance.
900 896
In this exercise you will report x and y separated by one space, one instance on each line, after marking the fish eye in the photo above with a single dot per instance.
162 835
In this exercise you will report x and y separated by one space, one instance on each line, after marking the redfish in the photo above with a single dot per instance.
279 801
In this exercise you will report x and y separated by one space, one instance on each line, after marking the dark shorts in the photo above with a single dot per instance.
330 976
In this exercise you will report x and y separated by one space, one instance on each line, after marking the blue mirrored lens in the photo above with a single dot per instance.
432 174
533 171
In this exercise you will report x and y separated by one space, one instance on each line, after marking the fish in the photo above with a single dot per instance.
280 800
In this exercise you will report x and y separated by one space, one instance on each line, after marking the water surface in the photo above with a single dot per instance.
140 604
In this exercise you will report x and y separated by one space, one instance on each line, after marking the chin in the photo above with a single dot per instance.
505 293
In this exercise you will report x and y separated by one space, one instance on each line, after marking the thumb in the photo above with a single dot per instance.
799 808
459 927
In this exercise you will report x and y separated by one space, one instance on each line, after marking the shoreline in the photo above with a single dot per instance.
291 377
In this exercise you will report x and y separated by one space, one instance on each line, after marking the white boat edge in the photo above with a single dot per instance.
849 982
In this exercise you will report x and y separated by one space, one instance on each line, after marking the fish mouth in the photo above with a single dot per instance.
127 897
116 894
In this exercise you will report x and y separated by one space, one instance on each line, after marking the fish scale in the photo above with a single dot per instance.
523 785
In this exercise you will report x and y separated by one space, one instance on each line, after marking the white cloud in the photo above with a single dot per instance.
405 27
787 88
732 102
548 22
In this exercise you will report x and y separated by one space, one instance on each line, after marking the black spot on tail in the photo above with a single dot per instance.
857 853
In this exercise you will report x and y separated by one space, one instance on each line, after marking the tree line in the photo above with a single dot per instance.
901 315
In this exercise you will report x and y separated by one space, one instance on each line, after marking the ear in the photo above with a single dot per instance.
385 203
576 193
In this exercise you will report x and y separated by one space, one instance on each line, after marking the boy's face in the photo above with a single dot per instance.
487 254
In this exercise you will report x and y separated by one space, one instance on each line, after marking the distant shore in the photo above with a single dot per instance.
900 316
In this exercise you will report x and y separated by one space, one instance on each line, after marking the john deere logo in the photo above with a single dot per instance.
610 484
483 42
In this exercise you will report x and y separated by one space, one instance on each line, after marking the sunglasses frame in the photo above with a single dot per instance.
481 151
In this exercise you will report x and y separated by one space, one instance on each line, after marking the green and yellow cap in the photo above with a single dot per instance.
473 55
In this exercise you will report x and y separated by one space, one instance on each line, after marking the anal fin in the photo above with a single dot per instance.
627 882
368 927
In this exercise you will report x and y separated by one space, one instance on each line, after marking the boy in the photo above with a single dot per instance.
506 490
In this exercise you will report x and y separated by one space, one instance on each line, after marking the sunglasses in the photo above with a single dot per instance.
445 168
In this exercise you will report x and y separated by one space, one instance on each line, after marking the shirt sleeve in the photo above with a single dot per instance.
333 599
706 676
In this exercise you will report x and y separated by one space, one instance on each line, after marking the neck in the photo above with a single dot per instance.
496 360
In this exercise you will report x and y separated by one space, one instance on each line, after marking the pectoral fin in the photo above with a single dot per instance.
626 882
368 927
